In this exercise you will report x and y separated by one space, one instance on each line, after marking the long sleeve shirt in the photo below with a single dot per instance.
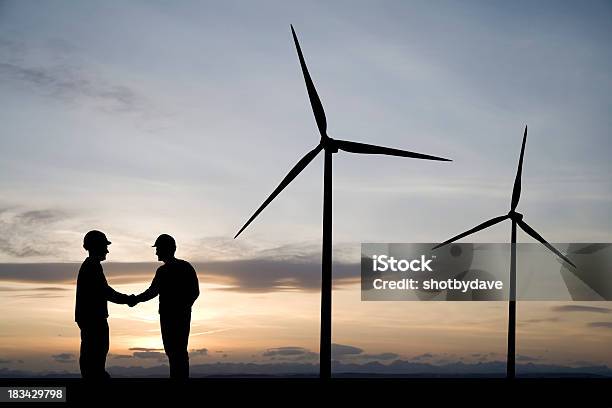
93 292
176 283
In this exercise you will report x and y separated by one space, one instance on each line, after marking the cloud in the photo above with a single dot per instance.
39 296
155 355
527 322
290 353
341 350
252 276
66 75
267 275
583 363
2 361
285 351
524 358
64 358
603 325
423 356
199 352
73 85
47 292
35 217
580 308
39 289
145 349
148 353
338 351
120 356
31 233
542 320
381 356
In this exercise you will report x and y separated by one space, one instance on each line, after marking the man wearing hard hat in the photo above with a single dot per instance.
176 283
91 309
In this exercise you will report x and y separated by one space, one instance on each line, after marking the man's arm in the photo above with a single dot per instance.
117 297
151 292
109 293
194 285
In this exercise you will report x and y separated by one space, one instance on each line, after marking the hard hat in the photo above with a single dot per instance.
165 241
93 238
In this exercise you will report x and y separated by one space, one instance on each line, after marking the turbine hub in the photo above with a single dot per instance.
329 144
515 216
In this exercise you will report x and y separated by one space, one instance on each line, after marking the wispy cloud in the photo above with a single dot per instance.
424 356
64 77
39 289
527 322
285 351
581 308
207 332
265 275
31 233
64 358
250 275
339 350
120 356
602 325
290 353
524 358
148 353
380 356
199 352
153 355
146 349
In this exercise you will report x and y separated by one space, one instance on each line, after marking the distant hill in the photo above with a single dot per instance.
398 368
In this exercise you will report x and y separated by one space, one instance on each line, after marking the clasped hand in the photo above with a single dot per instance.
132 301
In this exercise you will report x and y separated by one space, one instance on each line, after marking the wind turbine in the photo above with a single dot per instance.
330 146
517 219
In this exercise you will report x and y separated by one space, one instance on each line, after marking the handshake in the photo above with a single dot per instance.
133 300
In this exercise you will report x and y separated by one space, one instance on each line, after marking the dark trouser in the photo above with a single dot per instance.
175 335
94 348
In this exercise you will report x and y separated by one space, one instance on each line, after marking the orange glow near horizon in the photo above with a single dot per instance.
37 324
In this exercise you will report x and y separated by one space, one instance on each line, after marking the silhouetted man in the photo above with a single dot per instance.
176 283
91 309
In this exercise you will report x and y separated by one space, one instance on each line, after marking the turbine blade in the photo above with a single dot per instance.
477 228
363 148
315 102
516 191
534 234
297 169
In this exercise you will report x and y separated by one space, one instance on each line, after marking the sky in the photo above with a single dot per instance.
138 118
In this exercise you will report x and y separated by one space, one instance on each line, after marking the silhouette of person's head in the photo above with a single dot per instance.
165 247
96 243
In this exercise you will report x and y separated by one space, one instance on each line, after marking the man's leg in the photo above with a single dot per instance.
175 335
85 353
104 346
94 348
183 341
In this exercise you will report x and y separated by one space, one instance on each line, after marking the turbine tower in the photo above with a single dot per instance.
517 219
330 146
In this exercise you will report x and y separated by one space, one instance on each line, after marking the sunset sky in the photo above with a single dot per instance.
139 118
